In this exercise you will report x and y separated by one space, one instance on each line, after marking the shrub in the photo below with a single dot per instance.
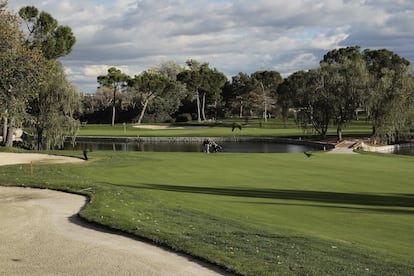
184 117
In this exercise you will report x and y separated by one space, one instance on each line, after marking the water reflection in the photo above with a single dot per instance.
405 151
242 147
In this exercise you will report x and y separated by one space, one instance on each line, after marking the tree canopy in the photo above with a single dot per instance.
388 101
266 92
348 80
46 34
205 83
33 87
116 80
22 74
345 78
52 113
148 87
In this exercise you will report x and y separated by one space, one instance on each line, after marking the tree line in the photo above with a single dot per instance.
36 95
169 90
348 81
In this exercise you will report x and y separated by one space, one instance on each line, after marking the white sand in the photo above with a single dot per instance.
7 158
157 127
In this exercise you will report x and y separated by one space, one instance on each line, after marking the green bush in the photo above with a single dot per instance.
184 117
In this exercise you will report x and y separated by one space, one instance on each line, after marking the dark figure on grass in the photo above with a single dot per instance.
308 154
85 154
211 146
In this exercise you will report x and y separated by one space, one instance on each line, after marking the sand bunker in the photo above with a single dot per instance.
155 127
8 158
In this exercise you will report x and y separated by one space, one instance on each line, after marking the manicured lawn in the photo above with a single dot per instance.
119 130
271 128
256 214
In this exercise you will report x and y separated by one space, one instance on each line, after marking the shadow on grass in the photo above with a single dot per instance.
390 200
345 208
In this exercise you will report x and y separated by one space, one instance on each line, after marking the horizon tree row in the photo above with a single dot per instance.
347 81
169 90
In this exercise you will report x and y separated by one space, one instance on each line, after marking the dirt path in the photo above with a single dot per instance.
344 147
41 235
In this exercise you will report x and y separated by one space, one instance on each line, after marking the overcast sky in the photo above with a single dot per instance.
231 35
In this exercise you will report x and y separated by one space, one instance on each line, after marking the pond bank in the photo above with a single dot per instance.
385 149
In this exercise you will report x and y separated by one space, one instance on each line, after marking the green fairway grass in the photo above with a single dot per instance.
271 128
254 214
184 131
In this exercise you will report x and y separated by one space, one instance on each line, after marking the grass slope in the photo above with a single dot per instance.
255 214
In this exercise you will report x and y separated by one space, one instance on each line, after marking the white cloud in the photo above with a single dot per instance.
233 36
95 70
301 60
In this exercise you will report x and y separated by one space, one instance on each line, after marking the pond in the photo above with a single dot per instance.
241 147
405 151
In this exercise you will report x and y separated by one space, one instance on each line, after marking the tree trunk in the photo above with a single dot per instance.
241 109
215 111
10 131
113 107
113 116
5 126
203 107
39 137
198 106
374 134
265 103
339 132
144 107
